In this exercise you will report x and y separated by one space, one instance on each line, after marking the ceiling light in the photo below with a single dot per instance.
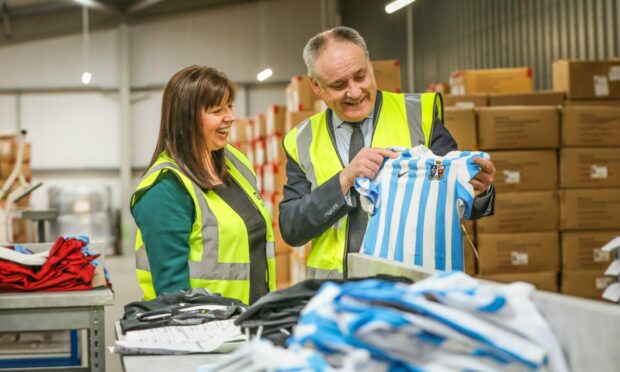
264 75
86 77
396 5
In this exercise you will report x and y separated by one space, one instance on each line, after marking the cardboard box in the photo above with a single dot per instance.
275 120
471 264
259 127
527 99
294 118
525 170
6 167
581 250
280 244
470 226
585 283
387 74
544 281
592 102
298 263
239 132
8 149
250 154
591 126
245 148
299 96
249 128
589 167
259 152
470 257
319 106
465 101
275 149
499 80
283 267
274 177
587 79
589 209
518 127
515 253
276 199
462 125
522 212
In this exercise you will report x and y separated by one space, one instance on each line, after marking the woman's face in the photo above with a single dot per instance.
216 122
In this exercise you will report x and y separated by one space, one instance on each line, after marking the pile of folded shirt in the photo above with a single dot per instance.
449 321
68 266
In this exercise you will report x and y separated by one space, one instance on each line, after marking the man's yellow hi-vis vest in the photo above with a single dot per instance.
404 120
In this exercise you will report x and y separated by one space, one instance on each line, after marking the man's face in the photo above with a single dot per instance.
345 81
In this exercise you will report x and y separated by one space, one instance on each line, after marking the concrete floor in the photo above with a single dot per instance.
126 289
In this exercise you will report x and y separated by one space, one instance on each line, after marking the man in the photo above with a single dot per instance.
327 152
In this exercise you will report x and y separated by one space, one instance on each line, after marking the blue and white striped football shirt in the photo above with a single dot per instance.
415 202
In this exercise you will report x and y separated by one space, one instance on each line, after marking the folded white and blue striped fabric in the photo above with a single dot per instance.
415 202
446 322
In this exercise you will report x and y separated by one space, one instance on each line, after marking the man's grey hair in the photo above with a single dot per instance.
317 43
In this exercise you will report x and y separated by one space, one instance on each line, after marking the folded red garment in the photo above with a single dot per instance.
67 269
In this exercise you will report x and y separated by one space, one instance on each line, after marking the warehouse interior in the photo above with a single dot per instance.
534 84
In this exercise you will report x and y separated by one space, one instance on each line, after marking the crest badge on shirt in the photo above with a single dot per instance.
437 171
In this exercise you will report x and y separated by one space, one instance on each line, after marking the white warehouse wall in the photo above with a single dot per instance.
57 62
75 130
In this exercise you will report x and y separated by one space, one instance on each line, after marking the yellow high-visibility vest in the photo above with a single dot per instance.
219 257
404 120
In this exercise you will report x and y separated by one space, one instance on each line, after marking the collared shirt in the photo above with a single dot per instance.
343 131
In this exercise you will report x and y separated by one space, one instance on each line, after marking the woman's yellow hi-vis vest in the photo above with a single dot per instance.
219 257
404 120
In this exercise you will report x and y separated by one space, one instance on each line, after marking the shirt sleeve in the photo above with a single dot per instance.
164 215
466 170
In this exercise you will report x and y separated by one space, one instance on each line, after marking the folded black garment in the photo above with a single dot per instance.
179 308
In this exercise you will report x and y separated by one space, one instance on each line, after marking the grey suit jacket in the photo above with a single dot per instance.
306 214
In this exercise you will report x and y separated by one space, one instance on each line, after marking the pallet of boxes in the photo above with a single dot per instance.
300 103
589 172
520 130
23 230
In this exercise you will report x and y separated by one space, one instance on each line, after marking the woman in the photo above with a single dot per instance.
201 222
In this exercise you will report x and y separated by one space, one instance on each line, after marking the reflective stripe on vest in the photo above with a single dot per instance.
208 267
310 145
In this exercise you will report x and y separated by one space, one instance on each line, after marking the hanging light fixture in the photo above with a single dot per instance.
396 5
267 72
264 75
86 75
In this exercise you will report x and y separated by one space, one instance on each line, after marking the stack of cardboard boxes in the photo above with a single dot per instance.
493 112
534 233
22 229
521 242
589 172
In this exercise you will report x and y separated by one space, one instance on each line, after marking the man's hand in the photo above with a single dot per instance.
365 164
484 178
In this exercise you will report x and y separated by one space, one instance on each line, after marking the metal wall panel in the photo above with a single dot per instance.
456 34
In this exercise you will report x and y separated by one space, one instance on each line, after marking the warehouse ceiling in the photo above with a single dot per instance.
26 20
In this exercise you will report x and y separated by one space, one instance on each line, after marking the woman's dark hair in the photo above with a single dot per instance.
187 94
